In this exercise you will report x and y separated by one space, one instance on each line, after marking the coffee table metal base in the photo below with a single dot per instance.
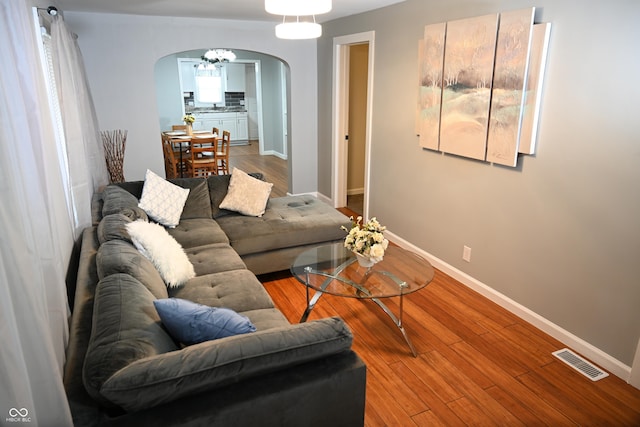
311 302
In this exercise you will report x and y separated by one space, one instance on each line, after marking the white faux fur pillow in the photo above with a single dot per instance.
166 254
246 194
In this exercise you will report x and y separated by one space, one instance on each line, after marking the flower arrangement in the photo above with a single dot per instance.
366 239
188 119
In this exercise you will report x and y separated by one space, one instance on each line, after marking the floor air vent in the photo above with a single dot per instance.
581 365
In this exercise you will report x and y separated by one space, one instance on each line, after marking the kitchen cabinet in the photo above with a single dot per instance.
242 127
188 75
235 123
235 77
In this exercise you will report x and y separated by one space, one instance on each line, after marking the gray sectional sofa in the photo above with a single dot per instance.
124 369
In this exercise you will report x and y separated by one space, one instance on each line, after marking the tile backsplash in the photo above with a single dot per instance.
234 99
231 100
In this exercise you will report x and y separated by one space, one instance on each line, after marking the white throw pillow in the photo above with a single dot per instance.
246 194
162 200
166 254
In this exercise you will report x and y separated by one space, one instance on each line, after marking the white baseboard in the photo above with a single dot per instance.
634 376
324 198
274 153
587 350
355 191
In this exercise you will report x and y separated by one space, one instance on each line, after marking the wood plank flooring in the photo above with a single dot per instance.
477 364
275 169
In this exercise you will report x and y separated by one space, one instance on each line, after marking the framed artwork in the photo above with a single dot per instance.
430 59
467 78
533 93
509 81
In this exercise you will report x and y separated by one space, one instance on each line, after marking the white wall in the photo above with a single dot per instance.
560 234
120 52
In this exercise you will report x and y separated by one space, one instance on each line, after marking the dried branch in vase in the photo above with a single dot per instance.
114 144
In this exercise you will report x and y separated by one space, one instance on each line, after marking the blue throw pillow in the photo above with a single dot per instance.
190 323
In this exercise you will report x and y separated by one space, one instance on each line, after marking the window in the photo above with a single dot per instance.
208 84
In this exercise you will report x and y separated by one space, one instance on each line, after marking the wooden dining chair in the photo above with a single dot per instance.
222 155
170 163
216 132
202 161
179 127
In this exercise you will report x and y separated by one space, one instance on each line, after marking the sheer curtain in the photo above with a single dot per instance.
37 229
82 142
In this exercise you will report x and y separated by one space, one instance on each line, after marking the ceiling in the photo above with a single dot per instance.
251 10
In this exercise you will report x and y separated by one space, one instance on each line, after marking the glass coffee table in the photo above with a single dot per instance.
333 269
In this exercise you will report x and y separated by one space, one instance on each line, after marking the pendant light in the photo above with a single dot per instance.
306 28
298 30
297 7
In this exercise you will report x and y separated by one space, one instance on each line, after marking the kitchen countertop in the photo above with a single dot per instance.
197 111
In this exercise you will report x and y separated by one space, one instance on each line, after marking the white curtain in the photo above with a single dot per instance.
83 145
37 229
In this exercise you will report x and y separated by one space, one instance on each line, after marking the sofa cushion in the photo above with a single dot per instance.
198 204
214 258
246 195
162 200
196 232
289 221
238 290
115 199
156 380
126 328
191 323
153 241
118 256
113 227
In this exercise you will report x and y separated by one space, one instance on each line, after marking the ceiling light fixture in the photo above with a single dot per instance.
300 28
214 56
297 7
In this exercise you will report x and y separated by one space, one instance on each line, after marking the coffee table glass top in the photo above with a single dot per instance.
334 270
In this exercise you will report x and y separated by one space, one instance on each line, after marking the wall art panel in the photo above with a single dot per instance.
509 80
479 86
533 94
468 70
430 58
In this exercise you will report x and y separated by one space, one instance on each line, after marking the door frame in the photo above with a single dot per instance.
258 76
340 122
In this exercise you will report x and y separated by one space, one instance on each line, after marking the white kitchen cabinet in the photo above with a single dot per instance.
242 125
199 125
187 75
235 123
235 77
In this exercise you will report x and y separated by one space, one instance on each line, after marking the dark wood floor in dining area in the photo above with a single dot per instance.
478 364
248 159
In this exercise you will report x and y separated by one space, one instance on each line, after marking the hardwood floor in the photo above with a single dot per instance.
477 364
275 169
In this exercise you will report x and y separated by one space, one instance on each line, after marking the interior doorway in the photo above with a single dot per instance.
353 83
357 125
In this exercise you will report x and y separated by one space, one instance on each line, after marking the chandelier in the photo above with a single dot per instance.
214 56
304 26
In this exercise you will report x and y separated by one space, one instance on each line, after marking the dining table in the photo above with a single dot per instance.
182 141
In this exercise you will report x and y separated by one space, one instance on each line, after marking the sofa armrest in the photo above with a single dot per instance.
163 378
